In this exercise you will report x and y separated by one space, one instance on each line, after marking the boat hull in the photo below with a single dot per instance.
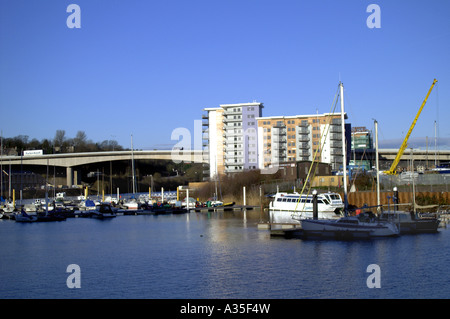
337 229
25 218
419 226
285 216
102 216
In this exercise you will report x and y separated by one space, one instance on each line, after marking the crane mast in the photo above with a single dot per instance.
393 169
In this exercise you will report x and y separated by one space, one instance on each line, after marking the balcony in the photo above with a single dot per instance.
231 111
302 130
303 145
278 139
231 148
233 163
335 143
230 133
335 129
335 136
231 119
279 131
336 151
303 138
304 153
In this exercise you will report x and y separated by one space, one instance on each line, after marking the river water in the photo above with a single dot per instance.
211 256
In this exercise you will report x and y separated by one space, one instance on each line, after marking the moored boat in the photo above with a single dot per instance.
293 207
411 223
103 211
364 225
23 217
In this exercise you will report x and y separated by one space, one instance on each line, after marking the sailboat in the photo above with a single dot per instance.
48 217
23 217
364 225
410 222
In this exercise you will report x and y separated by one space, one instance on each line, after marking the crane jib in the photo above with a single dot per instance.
393 168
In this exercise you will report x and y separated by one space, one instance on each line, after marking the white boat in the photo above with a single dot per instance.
361 226
86 205
291 207
188 203
103 211
131 204
111 200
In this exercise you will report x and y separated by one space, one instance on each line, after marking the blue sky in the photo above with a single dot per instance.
148 67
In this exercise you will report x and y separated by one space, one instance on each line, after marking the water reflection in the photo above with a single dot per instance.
212 255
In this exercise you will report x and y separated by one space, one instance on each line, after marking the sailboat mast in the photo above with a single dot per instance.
46 191
344 149
132 164
377 168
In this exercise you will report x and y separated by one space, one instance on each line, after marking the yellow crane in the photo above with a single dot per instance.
393 169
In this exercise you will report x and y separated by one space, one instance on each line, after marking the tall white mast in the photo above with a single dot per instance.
344 149
377 168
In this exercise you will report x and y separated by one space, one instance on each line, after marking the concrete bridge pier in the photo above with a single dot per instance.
72 177
69 176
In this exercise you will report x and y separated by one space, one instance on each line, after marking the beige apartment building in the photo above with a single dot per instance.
315 137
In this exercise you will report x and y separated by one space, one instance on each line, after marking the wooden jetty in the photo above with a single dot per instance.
222 208
287 230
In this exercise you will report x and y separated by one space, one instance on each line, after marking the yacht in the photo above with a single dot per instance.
364 225
103 211
23 217
293 207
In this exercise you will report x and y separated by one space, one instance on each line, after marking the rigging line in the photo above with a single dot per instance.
312 164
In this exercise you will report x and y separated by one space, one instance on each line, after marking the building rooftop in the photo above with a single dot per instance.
242 104
301 116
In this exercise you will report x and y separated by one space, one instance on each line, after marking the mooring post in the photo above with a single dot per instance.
395 199
315 206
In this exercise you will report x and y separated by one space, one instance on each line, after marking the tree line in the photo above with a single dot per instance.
59 144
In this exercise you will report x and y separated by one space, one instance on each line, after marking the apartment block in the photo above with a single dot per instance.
362 148
230 137
296 138
212 142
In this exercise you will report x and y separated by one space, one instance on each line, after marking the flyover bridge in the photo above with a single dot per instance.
71 160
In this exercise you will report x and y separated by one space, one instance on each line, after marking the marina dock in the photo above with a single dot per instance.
287 230
222 208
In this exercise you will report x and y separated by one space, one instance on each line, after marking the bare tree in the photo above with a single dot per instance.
59 139
79 141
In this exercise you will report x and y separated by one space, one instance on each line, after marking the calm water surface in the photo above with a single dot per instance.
215 255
